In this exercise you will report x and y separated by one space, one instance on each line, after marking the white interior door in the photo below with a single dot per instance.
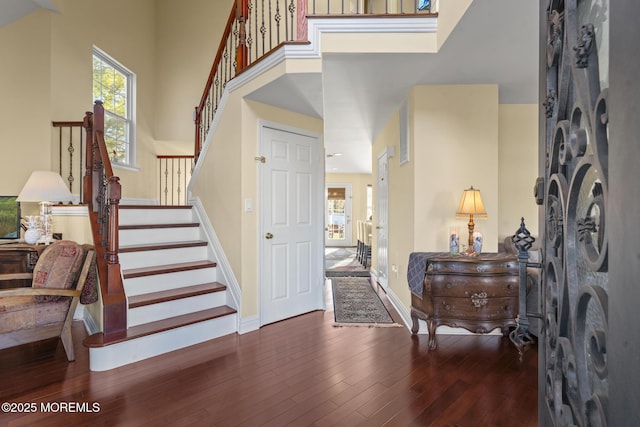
291 276
382 217
338 225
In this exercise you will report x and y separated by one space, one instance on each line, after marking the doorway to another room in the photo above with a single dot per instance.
344 242
338 230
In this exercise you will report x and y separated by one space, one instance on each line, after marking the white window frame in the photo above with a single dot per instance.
131 109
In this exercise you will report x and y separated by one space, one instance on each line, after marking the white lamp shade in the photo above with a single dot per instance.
471 204
45 186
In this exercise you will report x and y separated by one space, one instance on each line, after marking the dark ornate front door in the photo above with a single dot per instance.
573 358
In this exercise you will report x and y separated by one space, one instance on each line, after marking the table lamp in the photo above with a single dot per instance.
471 204
44 187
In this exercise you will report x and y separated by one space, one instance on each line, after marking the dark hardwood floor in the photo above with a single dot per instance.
298 372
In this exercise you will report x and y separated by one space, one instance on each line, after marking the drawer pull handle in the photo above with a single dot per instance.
448 285
479 299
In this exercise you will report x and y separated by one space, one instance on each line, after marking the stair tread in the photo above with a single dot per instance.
174 294
166 268
167 225
159 246
97 340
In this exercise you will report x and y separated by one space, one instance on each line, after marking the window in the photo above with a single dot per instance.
369 202
113 84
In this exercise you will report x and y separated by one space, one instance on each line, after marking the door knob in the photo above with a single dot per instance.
268 236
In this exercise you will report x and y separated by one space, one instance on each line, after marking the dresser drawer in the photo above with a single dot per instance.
464 286
469 265
475 307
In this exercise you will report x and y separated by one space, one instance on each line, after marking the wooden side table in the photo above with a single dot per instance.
18 258
478 293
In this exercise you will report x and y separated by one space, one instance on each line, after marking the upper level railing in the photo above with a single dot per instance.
70 160
174 175
257 27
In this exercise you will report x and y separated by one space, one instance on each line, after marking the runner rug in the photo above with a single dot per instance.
355 303
341 262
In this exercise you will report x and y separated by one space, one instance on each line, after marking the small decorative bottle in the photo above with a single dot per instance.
477 242
454 243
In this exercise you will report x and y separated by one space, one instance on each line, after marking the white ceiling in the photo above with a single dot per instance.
16 9
496 42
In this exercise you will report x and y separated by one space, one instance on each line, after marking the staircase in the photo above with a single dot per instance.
170 280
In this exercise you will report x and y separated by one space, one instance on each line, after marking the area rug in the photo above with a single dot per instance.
341 262
355 303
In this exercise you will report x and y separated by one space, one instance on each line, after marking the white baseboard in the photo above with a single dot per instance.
90 324
249 324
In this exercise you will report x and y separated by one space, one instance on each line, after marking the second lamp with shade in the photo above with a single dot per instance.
471 205
44 187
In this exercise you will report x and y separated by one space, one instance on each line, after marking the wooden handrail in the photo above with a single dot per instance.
206 95
246 27
102 193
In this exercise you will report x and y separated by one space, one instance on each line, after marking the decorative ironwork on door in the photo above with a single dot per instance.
576 190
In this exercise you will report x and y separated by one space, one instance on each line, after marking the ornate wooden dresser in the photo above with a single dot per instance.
478 293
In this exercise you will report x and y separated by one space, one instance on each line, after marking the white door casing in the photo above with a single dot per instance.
345 237
291 223
382 219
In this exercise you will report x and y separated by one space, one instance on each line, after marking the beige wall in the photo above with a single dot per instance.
229 172
456 139
359 183
459 136
187 33
517 174
401 221
46 76
25 110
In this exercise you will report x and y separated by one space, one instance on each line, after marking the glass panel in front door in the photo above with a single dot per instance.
336 215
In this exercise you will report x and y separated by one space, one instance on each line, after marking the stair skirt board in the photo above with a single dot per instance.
126 352
158 311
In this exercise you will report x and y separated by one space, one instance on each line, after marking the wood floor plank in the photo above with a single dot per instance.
300 372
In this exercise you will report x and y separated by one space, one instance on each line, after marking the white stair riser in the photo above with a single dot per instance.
158 235
162 257
165 282
151 313
155 216
116 355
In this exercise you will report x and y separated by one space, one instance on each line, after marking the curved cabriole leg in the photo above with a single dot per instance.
416 326
431 325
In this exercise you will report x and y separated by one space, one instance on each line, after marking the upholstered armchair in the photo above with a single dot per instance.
64 275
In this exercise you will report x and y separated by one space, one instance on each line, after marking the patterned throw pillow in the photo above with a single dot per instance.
58 268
